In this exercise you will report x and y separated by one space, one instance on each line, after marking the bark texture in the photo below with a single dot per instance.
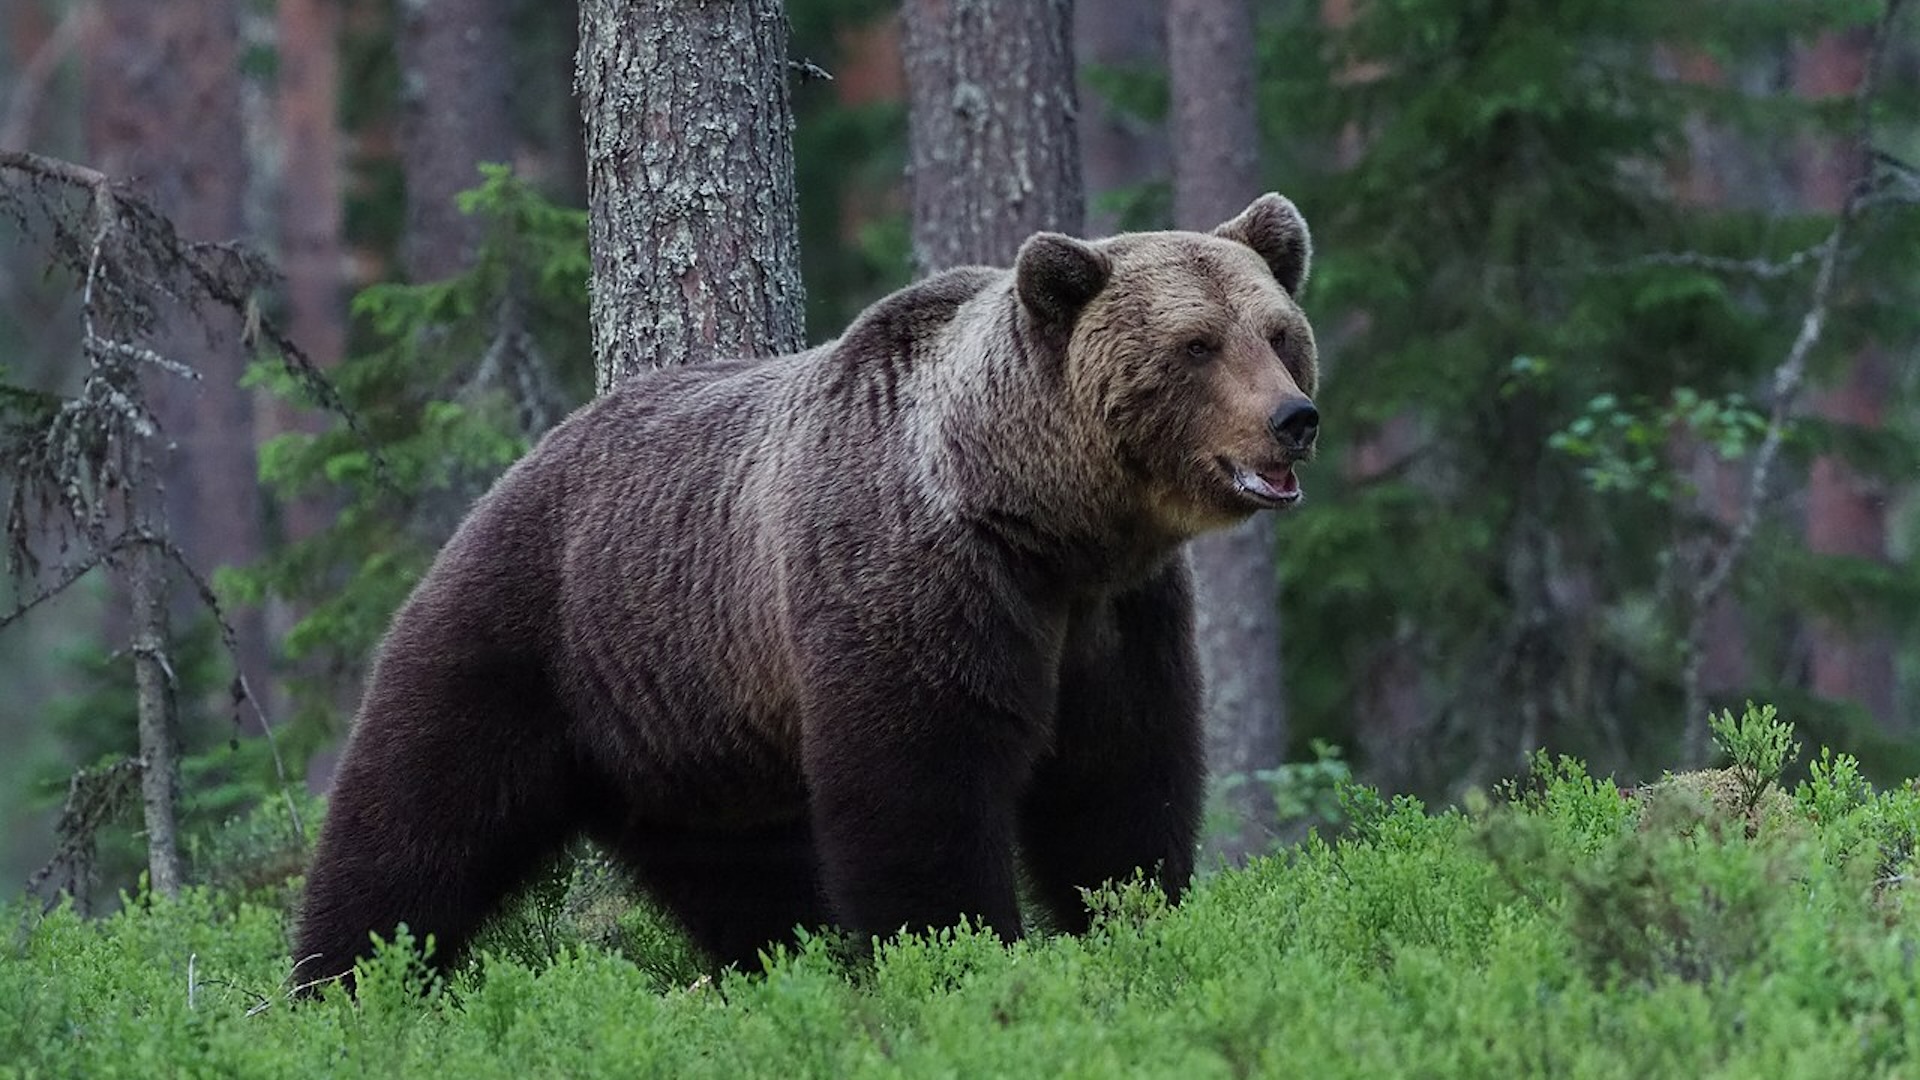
993 154
1210 63
693 228
455 69
1116 150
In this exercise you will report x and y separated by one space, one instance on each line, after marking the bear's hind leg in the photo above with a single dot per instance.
456 788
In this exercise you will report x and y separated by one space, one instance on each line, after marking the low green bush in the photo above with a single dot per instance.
1711 925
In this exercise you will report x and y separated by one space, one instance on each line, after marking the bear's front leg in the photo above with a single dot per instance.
913 792
1122 790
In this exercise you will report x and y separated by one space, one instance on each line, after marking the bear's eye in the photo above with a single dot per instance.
1279 342
1199 349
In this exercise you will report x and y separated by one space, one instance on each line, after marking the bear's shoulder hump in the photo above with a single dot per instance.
895 322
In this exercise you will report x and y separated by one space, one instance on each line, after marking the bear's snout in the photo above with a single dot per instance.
1295 425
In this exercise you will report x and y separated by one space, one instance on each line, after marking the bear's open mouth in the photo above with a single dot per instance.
1268 485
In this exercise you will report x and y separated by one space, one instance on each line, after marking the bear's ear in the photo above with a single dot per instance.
1057 275
1273 228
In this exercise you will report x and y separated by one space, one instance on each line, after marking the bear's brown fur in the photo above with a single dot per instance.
828 638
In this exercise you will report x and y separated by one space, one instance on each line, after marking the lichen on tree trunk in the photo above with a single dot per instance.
992 147
693 224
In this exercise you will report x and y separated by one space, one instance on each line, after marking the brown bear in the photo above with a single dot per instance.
853 637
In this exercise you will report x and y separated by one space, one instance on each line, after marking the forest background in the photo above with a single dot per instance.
1565 253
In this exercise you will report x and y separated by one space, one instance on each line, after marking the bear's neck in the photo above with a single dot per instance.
1051 492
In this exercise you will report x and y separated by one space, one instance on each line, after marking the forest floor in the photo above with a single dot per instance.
1712 925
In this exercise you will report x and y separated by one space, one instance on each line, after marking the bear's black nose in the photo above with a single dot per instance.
1295 424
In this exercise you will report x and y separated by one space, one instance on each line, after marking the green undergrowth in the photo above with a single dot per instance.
1713 924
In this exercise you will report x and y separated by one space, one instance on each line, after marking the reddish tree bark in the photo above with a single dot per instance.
1846 513
312 242
455 77
1713 173
311 252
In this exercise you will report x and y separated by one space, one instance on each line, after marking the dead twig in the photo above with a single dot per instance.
226 273
69 578
95 797
87 461
1758 268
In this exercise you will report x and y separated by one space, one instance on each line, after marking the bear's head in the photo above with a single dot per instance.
1188 355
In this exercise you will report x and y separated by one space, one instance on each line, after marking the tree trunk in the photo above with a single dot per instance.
312 255
455 81
151 644
163 93
1117 151
992 152
163 88
1704 178
1216 143
693 227
312 241
1846 514
1391 714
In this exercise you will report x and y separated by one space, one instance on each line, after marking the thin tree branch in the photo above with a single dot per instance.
241 690
1759 268
94 797
202 262
54 169
71 577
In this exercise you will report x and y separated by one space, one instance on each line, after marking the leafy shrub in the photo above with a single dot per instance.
1561 927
